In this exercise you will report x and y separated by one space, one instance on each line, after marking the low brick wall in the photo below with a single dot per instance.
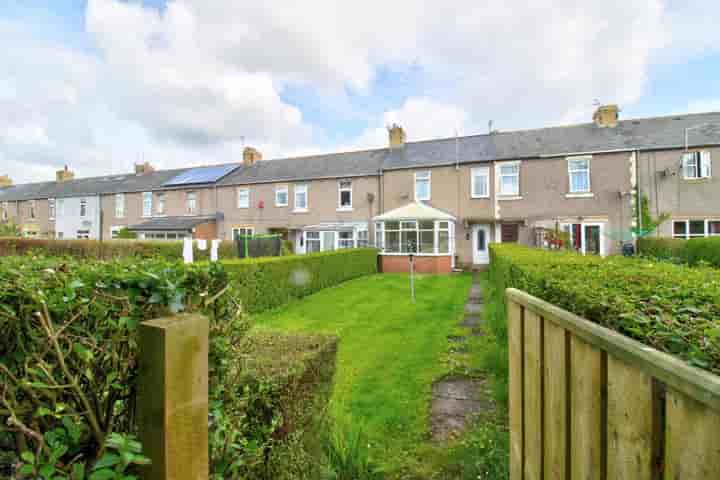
401 264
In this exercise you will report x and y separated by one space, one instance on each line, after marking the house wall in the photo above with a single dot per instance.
69 222
323 203
671 193
20 215
544 184
174 207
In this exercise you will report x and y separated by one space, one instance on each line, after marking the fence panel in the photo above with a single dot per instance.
587 403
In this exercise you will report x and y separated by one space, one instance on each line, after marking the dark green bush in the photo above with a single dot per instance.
266 283
670 307
662 248
108 249
703 250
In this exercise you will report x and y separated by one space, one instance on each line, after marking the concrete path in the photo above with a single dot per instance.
457 399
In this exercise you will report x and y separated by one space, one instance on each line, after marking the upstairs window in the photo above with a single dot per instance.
31 208
281 196
51 208
120 205
579 174
301 198
345 195
83 208
147 204
5 211
191 203
243 198
697 165
422 186
60 206
161 204
509 179
480 186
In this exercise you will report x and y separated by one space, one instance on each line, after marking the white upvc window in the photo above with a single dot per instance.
31 208
60 207
345 239
243 198
82 234
697 165
83 208
120 205
313 243
422 186
345 195
160 209
147 204
696 228
363 239
191 203
114 231
509 178
301 198
579 174
480 182
51 208
421 237
5 211
281 196
238 232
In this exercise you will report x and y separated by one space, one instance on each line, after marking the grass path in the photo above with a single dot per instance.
390 351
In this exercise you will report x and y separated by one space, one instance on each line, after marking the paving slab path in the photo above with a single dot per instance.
457 399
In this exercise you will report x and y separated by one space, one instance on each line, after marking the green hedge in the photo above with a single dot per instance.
696 251
283 388
670 307
107 250
92 310
266 283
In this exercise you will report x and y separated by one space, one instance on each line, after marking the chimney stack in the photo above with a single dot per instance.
396 135
143 168
5 181
64 175
606 116
251 155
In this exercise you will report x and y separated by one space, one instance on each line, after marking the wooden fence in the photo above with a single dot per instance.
589 403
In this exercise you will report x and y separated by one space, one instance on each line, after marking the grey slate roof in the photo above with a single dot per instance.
172 223
642 134
119 183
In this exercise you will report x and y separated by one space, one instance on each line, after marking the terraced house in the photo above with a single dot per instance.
441 201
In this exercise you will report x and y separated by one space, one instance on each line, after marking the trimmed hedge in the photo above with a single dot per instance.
106 250
270 282
670 307
696 251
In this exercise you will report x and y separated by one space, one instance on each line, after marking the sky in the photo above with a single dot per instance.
99 85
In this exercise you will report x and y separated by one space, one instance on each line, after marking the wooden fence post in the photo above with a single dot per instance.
173 397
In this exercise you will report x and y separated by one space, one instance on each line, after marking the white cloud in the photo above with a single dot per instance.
193 82
704 105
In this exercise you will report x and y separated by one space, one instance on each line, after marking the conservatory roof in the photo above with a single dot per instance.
415 211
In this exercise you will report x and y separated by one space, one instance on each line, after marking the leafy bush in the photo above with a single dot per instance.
700 251
269 282
68 353
670 307
108 249
662 248
267 423
9 230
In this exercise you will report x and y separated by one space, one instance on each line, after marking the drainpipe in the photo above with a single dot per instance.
638 193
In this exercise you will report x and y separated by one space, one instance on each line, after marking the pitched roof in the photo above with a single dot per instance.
415 211
172 223
109 184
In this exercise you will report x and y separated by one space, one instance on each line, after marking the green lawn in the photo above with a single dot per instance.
391 350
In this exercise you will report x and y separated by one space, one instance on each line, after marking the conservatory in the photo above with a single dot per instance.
419 231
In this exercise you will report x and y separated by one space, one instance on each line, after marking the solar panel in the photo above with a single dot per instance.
200 175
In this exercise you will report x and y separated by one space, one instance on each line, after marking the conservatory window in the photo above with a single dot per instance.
423 237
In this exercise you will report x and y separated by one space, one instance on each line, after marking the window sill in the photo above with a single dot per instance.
300 210
281 205
697 179
509 197
243 208
580 195
480 197
344 209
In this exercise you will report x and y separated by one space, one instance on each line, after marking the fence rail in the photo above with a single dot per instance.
589 403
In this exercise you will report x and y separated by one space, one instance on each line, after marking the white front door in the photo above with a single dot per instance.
480 240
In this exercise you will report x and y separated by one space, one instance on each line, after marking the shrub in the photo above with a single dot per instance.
268 423
662 248
108 249
703 250
269 282
670 307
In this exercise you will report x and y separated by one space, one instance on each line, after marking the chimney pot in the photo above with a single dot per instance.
251 155
64 175
396 136
143 168
606 116
5 181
